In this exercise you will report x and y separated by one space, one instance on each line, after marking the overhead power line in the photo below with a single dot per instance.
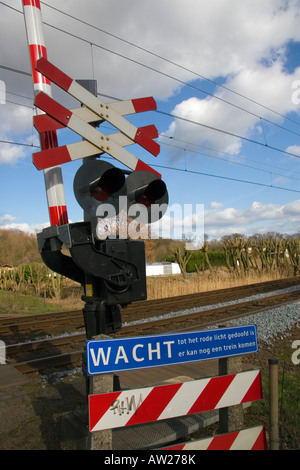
215 129
167 75
197 123
230 134
163 73
232 162
228 178
189 143
172 115
159 56
11 69
19 143
211 175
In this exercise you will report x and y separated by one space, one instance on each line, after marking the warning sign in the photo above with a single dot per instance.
112 355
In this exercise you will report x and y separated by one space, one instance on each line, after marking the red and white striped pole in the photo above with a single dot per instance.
53 176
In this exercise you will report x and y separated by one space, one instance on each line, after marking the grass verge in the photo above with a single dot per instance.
289 411
16 303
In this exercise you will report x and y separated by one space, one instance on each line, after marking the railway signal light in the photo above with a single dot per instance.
148 193
112 271
98 182
103 190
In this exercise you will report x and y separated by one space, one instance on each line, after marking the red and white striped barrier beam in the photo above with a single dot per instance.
130 407
48 139
102 142
247 439
103 110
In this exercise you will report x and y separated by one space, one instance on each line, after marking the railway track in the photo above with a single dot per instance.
139 310
66 350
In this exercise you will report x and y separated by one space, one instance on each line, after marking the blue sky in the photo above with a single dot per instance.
229 72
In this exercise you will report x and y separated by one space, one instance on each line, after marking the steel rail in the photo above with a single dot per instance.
139 310
197 320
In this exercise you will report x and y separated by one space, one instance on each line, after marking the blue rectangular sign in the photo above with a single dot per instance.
115 355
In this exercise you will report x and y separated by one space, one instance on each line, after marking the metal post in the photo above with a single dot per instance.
53 176
273 404
91 86
232 418
103 383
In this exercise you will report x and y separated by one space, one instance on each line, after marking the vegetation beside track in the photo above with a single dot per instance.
25 304
33 420
25 301
288 391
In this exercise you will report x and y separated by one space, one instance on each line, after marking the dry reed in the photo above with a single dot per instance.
159 287
171 286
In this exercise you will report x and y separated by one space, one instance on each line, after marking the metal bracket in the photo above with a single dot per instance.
112 271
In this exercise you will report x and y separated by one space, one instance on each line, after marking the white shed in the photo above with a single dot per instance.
162 269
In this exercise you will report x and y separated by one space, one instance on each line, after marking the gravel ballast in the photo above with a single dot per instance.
273 322
269 323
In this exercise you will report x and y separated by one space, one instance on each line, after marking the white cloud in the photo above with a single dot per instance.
24 227
216 39
256 218
15 121
179 222
295 149
6 218
10 154
216 205
292 209
240 44
216 113
8 222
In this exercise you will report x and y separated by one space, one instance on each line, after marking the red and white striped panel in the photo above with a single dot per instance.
53 177
118 409
247 439
137 105
89 133
44 122
36 42
70 152
106 112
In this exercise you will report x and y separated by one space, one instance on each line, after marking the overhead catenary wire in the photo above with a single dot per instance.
12 69
197 172
205 92
223 153
136 46
11 142
223 177
195 152
247 139
185 170
172 115
191 122
184 83
230 162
